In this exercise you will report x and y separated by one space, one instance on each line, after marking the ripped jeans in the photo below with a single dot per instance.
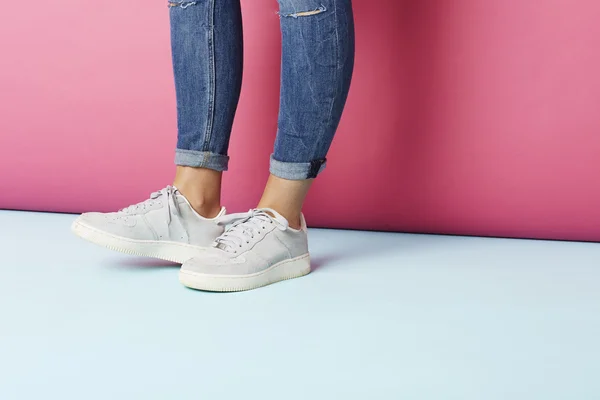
316 69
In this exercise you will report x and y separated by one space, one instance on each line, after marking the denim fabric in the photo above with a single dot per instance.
316 69
207 51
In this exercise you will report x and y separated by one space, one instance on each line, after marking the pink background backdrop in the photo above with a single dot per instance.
470 117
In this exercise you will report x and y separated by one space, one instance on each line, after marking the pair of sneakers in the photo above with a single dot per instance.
226 253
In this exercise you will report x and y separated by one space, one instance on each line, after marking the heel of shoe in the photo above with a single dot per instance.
295 268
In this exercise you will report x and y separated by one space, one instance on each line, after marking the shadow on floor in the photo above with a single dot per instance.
371 245
139 263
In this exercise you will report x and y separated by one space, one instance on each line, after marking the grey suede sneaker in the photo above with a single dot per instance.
165 226
257 249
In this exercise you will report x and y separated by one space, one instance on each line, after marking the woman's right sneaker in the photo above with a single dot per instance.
165 226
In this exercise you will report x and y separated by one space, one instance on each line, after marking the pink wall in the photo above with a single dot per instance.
470 117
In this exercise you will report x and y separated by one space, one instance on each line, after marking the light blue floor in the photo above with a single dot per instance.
383 316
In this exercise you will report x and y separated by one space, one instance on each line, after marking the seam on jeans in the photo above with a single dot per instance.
337 71
211 76
309 83
314 168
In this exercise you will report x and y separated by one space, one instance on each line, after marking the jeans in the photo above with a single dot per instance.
316 70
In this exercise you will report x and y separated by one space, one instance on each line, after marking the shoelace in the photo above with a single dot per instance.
170 204
245 226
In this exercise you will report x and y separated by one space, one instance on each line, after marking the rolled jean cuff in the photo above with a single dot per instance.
296 171
203 159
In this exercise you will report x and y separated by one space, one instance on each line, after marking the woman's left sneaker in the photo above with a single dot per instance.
257 249
165 226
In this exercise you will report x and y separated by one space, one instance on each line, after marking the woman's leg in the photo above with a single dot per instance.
269 244
206 39
317 64
207 51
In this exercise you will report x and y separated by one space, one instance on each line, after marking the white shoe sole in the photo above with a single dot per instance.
170 251
287 269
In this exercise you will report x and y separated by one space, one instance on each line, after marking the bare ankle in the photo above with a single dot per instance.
206 204
293 217
286 197
294 222
202 189
206 210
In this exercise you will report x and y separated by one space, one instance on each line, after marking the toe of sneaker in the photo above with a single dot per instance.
92 220
113 224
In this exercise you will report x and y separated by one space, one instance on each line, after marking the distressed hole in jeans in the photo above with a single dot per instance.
182 4
316 11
